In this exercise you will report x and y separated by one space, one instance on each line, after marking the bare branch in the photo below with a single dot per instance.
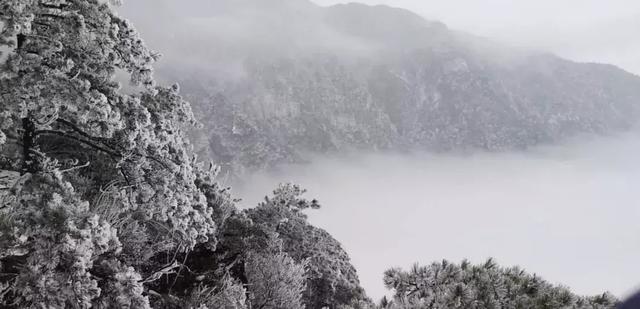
76 167
111 153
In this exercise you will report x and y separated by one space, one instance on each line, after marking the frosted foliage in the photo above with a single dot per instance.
288 196
62 66
98 182
331 280
125 290
61 84
448 285
231 295
59 238
275 279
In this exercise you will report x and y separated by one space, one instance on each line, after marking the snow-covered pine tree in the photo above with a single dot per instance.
484 286
332 280
275 280
102 189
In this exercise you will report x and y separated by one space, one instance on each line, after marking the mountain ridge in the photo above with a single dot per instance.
301 78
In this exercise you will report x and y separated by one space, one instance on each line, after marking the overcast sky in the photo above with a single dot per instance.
606 31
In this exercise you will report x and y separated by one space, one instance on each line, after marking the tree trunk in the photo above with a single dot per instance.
29 160
20 41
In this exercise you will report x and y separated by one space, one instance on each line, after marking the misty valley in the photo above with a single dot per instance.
286 154
546 208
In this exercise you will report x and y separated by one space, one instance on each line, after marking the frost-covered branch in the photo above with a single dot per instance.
91 144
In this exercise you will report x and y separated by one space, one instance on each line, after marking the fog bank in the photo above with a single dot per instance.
568 213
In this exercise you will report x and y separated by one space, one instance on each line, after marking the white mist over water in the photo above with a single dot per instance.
569 213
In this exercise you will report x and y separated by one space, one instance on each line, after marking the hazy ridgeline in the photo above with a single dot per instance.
421 143
272 81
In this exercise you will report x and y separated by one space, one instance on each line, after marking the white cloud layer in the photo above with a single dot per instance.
568 213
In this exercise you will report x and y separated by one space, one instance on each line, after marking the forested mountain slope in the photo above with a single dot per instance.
273 81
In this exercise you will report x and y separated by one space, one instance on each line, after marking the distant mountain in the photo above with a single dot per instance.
273 80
